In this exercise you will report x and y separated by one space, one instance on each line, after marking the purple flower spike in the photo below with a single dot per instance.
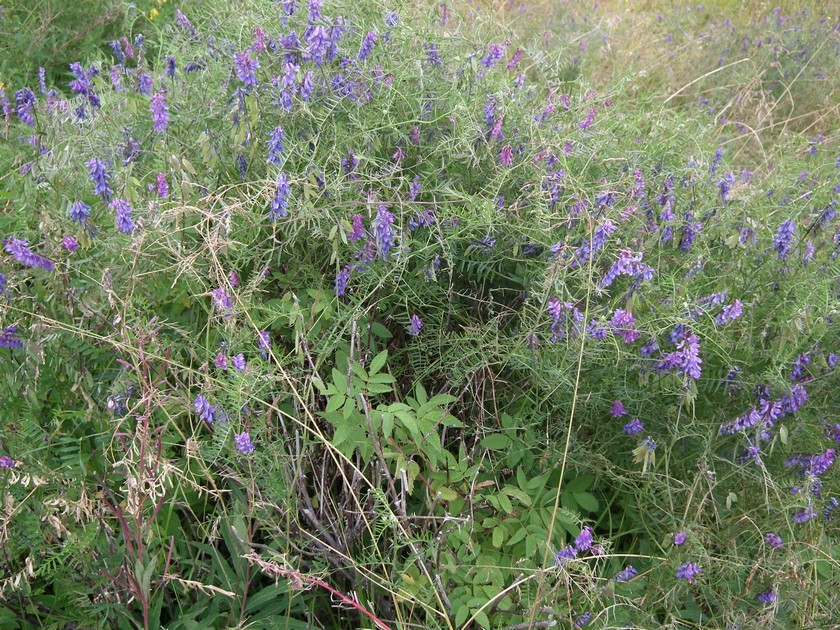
159 107
221 361
243 443
784 237
264 343
238 362
19 250
161 187
729 313
626 574
123 218
506 156
367 45
341 281
767 597
689 572
415 325
245 67
680 538
9 338
70 244
99 176
275 145
584 540
383 231
280 203
617 409
222 301
25 99
204 409
634 427
774 540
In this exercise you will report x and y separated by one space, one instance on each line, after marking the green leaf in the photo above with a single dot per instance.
495 442
378 362
335 402
498 536
586 501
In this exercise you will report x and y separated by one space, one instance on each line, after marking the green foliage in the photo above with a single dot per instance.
361 403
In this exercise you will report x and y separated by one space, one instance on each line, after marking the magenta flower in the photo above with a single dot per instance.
221 361
161 186
506 156
6 462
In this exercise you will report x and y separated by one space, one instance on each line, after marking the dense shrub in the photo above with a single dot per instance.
323 316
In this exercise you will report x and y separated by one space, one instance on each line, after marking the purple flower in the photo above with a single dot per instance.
25 100
584 540
797 370
626 574
628 264
589 120
805 515
679 538
774 540
99 176
581 621
383 231
221 361
767 597
123 218
341 280
275 145
243 443
233 278
415 325
741 423
634 427
306 86
264 343
564 555
367 45
729 313
183 23
783 238
145 85
689 572
79 212
432 54
238 362
204 409
161 187
358 231
19 250
9 338
586 251
349 164
159 107
622 323
649 444
506 156
222 301
617 409
494 54
70 244
414 189
245 67
792 401
318 42
280 203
